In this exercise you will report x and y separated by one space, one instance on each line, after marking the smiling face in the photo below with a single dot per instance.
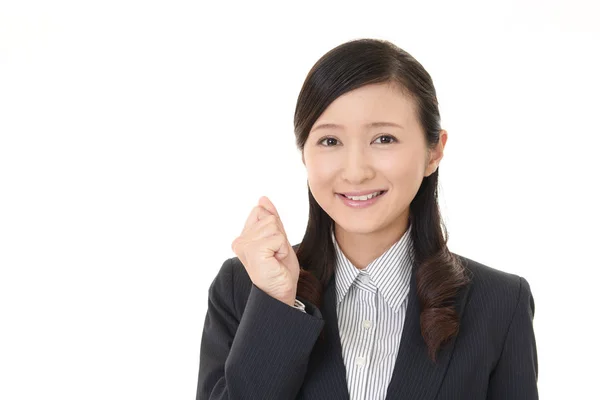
350 149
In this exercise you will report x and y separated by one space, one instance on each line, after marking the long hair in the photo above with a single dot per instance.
438 272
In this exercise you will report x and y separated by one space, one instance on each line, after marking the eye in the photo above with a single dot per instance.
393 139
327 138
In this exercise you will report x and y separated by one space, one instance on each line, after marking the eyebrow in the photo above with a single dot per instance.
369 125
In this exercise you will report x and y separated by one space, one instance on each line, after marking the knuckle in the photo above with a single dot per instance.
240 244
278 236
249 247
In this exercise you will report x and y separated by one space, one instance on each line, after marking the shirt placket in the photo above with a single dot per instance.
367 321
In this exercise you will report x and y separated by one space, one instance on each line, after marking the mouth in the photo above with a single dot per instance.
364 197
361 201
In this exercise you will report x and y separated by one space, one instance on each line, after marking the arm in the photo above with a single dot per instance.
264 356
516 373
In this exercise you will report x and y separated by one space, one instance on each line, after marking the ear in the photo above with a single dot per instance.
436 154
303 162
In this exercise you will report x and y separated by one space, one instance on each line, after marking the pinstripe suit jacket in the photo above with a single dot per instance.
256 347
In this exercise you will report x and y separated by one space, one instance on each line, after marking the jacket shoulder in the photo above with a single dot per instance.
492 288
494 297
489 278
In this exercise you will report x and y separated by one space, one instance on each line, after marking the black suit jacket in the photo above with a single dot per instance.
256 347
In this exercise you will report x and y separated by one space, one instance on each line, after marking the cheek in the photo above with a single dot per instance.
319 171
404 174
404 166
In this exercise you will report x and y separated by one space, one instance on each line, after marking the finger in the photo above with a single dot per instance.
275 243
268 225
256 214
266 203
262 230
277 220
270 207
256 229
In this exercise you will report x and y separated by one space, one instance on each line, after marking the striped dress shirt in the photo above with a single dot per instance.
371 308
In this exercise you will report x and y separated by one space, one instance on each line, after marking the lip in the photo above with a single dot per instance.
362 192
359 203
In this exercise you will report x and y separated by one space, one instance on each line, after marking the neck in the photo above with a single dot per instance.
362 248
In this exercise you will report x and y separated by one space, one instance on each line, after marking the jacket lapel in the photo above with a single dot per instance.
415 376
326 371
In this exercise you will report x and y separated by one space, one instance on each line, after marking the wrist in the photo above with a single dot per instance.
290 301
290 298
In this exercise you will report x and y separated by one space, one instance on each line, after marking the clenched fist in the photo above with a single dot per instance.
266 253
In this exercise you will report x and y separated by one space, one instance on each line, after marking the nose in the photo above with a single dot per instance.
357 167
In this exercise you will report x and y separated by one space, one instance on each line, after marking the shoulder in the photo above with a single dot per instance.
494 297
494 284
485 277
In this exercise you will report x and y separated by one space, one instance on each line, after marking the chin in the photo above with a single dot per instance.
357 226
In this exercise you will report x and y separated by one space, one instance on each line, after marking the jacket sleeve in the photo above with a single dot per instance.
264 355
516 373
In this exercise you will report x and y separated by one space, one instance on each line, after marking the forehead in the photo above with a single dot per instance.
370 103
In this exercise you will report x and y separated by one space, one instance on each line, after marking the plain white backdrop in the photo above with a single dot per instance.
136 136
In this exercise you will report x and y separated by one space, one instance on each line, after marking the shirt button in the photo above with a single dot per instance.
364 279
367 324
360 361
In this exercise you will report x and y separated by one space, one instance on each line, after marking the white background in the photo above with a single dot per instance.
136 136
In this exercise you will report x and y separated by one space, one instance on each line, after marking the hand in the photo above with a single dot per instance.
265 252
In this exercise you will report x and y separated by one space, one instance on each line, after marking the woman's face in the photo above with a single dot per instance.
355 155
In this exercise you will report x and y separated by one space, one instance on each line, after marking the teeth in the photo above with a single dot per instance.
365 197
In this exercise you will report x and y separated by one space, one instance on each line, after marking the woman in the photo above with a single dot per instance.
371 304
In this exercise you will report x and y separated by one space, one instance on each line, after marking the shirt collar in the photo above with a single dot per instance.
390 272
